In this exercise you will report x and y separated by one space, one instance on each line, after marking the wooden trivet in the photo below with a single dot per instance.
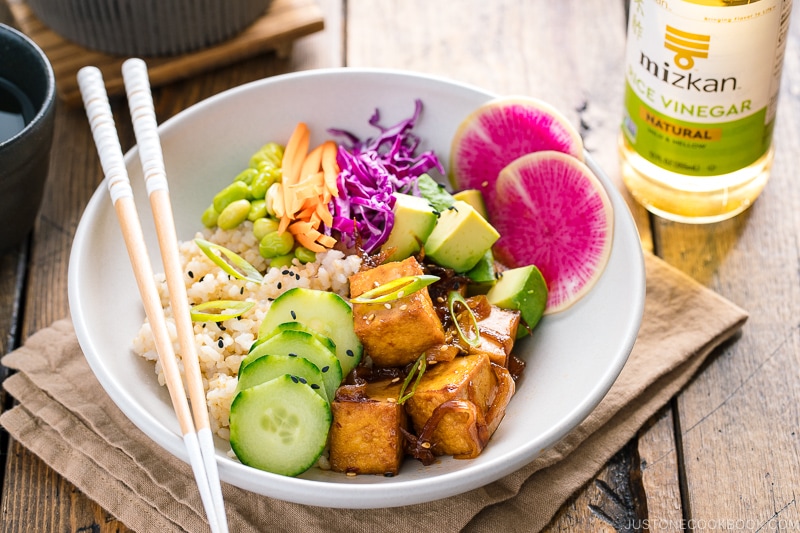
281 25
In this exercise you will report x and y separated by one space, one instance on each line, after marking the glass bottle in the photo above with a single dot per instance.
702 84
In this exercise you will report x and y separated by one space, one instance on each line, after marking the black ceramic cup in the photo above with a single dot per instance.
27 111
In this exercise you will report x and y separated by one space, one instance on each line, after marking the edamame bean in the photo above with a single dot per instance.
246 176
281 261
238 190
234 214
209 217
262 226
258 209
270 152
263 180
275 244
305 255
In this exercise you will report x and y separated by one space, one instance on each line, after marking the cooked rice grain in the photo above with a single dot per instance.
221 346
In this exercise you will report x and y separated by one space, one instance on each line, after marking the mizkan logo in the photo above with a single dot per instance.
687 46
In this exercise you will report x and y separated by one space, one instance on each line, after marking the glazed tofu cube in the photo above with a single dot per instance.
498 332
468 379
366 436
493 349
395 333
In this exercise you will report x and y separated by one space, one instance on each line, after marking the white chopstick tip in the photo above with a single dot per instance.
201 476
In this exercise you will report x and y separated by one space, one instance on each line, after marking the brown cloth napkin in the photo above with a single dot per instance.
65 417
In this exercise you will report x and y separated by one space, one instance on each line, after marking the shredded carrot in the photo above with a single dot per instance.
307 187
308 243
330 167
312 163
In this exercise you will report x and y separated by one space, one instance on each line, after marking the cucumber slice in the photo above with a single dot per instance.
296 326
300 344
280 426
324 312
270 367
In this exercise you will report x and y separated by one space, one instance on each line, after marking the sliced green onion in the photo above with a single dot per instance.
419 368
454 297
395 289
230 262
219 310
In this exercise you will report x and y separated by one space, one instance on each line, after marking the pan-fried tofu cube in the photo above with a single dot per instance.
498 332
395 333
366 436
469 380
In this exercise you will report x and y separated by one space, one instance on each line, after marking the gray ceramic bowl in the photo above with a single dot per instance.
25 154
148 27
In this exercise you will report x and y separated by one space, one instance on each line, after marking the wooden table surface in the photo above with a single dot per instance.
723 452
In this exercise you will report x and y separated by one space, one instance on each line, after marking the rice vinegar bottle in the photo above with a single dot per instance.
702 83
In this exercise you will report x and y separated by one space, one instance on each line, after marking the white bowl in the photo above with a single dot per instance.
572 360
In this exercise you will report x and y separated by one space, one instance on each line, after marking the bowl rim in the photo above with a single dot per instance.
399 492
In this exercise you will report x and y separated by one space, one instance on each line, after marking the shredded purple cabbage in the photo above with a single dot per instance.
370 171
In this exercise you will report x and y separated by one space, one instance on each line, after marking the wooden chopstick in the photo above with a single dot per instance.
98 111
140 102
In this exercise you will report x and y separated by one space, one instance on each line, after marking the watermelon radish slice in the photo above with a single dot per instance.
553 212
500 131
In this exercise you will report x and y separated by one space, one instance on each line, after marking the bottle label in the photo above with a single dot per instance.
702 82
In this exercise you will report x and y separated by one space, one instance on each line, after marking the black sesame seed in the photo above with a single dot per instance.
350 353
294 378
292 355
270 299
219 325
241 290
284 272
302 380
294 315
297 277
280 285
191 274
220 343
314 386
325 368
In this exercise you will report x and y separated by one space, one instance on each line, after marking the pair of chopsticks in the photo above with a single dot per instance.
194 422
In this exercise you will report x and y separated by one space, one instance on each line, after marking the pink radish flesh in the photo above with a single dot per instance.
553 212
499 132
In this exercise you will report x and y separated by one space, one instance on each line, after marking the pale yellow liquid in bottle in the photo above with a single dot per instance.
694 199
690 199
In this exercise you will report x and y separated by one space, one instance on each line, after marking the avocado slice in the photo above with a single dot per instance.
482 275
460 238
414 220
523 289
474 198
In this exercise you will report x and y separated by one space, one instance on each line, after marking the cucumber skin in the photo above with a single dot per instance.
269 367
263 449
301 344
315 308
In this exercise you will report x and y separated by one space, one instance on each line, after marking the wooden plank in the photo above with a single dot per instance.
34 498
511 48
739 419
574 66
284 22
659 466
